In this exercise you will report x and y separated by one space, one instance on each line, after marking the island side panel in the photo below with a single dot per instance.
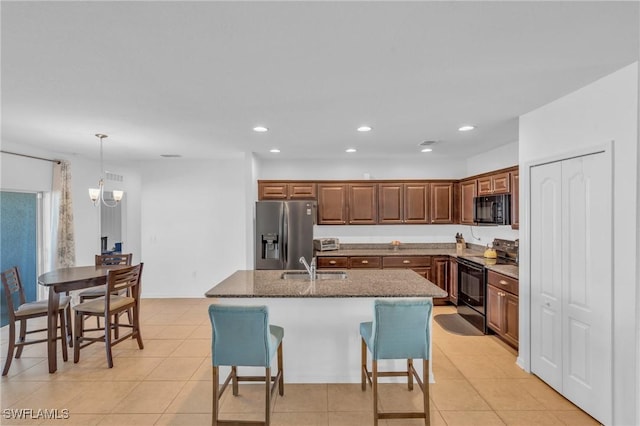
321 338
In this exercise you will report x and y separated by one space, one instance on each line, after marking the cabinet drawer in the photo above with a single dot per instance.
502 282
406 261
364 262
332 262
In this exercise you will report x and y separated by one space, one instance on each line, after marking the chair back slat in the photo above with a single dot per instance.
113 259
401 329
12 285
240 335
119 280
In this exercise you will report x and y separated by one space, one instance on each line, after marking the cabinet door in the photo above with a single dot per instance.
495 309
364 262
467 192
416 203
500 183
272 191
485 186
363 204
440 270
399 262
390 203
332 262
494 184
442 202
515 200
332 204
424 272
302 191
510 303
453 281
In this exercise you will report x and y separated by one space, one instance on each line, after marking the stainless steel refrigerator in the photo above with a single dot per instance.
284 233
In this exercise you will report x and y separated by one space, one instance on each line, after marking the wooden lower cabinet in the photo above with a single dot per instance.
453 281
503 306
326 262
434 268
440 276
365 262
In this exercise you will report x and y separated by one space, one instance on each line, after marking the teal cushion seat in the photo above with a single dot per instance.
242 336
400 329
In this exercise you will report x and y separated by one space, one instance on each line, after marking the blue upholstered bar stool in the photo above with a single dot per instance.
401 329
242 336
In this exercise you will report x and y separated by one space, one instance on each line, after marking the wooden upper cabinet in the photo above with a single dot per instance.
403 203
468 190
286 190
442 202
498 183
515 199
363 203
332 204
390 203
302 191
416 203
272 191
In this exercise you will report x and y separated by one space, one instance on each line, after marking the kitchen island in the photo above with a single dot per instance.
321 317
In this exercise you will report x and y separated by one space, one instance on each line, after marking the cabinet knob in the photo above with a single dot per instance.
406 261
332 262
364 262
503 282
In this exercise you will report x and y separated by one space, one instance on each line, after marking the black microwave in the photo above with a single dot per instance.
492 209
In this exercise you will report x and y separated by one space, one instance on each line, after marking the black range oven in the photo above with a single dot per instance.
472 293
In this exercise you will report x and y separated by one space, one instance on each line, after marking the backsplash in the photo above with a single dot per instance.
381 234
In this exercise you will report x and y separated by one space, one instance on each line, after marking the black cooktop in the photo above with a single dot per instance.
483 261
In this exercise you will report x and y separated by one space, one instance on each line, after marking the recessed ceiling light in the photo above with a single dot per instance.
350 150
426 150
274 150
260 129
364 129
466 128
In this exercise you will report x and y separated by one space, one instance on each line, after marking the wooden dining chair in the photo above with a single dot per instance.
20 310
122 294
104 260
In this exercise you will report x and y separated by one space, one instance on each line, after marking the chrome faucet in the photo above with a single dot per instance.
311 269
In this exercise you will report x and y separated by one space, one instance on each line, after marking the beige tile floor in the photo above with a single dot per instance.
169 383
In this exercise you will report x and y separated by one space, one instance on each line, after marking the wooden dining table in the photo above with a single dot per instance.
64 280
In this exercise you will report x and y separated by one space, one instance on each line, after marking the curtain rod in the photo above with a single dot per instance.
30 156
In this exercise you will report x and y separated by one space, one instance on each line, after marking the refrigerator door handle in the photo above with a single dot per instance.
284 231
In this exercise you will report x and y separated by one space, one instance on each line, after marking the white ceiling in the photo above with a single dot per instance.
193 78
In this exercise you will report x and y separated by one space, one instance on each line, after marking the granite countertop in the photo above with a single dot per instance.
359 283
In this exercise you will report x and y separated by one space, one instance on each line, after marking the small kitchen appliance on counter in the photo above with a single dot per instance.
326 244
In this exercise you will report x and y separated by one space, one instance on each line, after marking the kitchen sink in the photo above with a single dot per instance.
304 275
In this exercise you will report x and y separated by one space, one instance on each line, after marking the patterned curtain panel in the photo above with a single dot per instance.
63 228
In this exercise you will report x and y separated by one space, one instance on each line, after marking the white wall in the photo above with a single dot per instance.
604 111
354 169
194 224
498 158
25 174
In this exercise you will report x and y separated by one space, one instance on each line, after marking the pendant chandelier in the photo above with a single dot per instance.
97 194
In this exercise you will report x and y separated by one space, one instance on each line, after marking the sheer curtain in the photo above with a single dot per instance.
62 236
